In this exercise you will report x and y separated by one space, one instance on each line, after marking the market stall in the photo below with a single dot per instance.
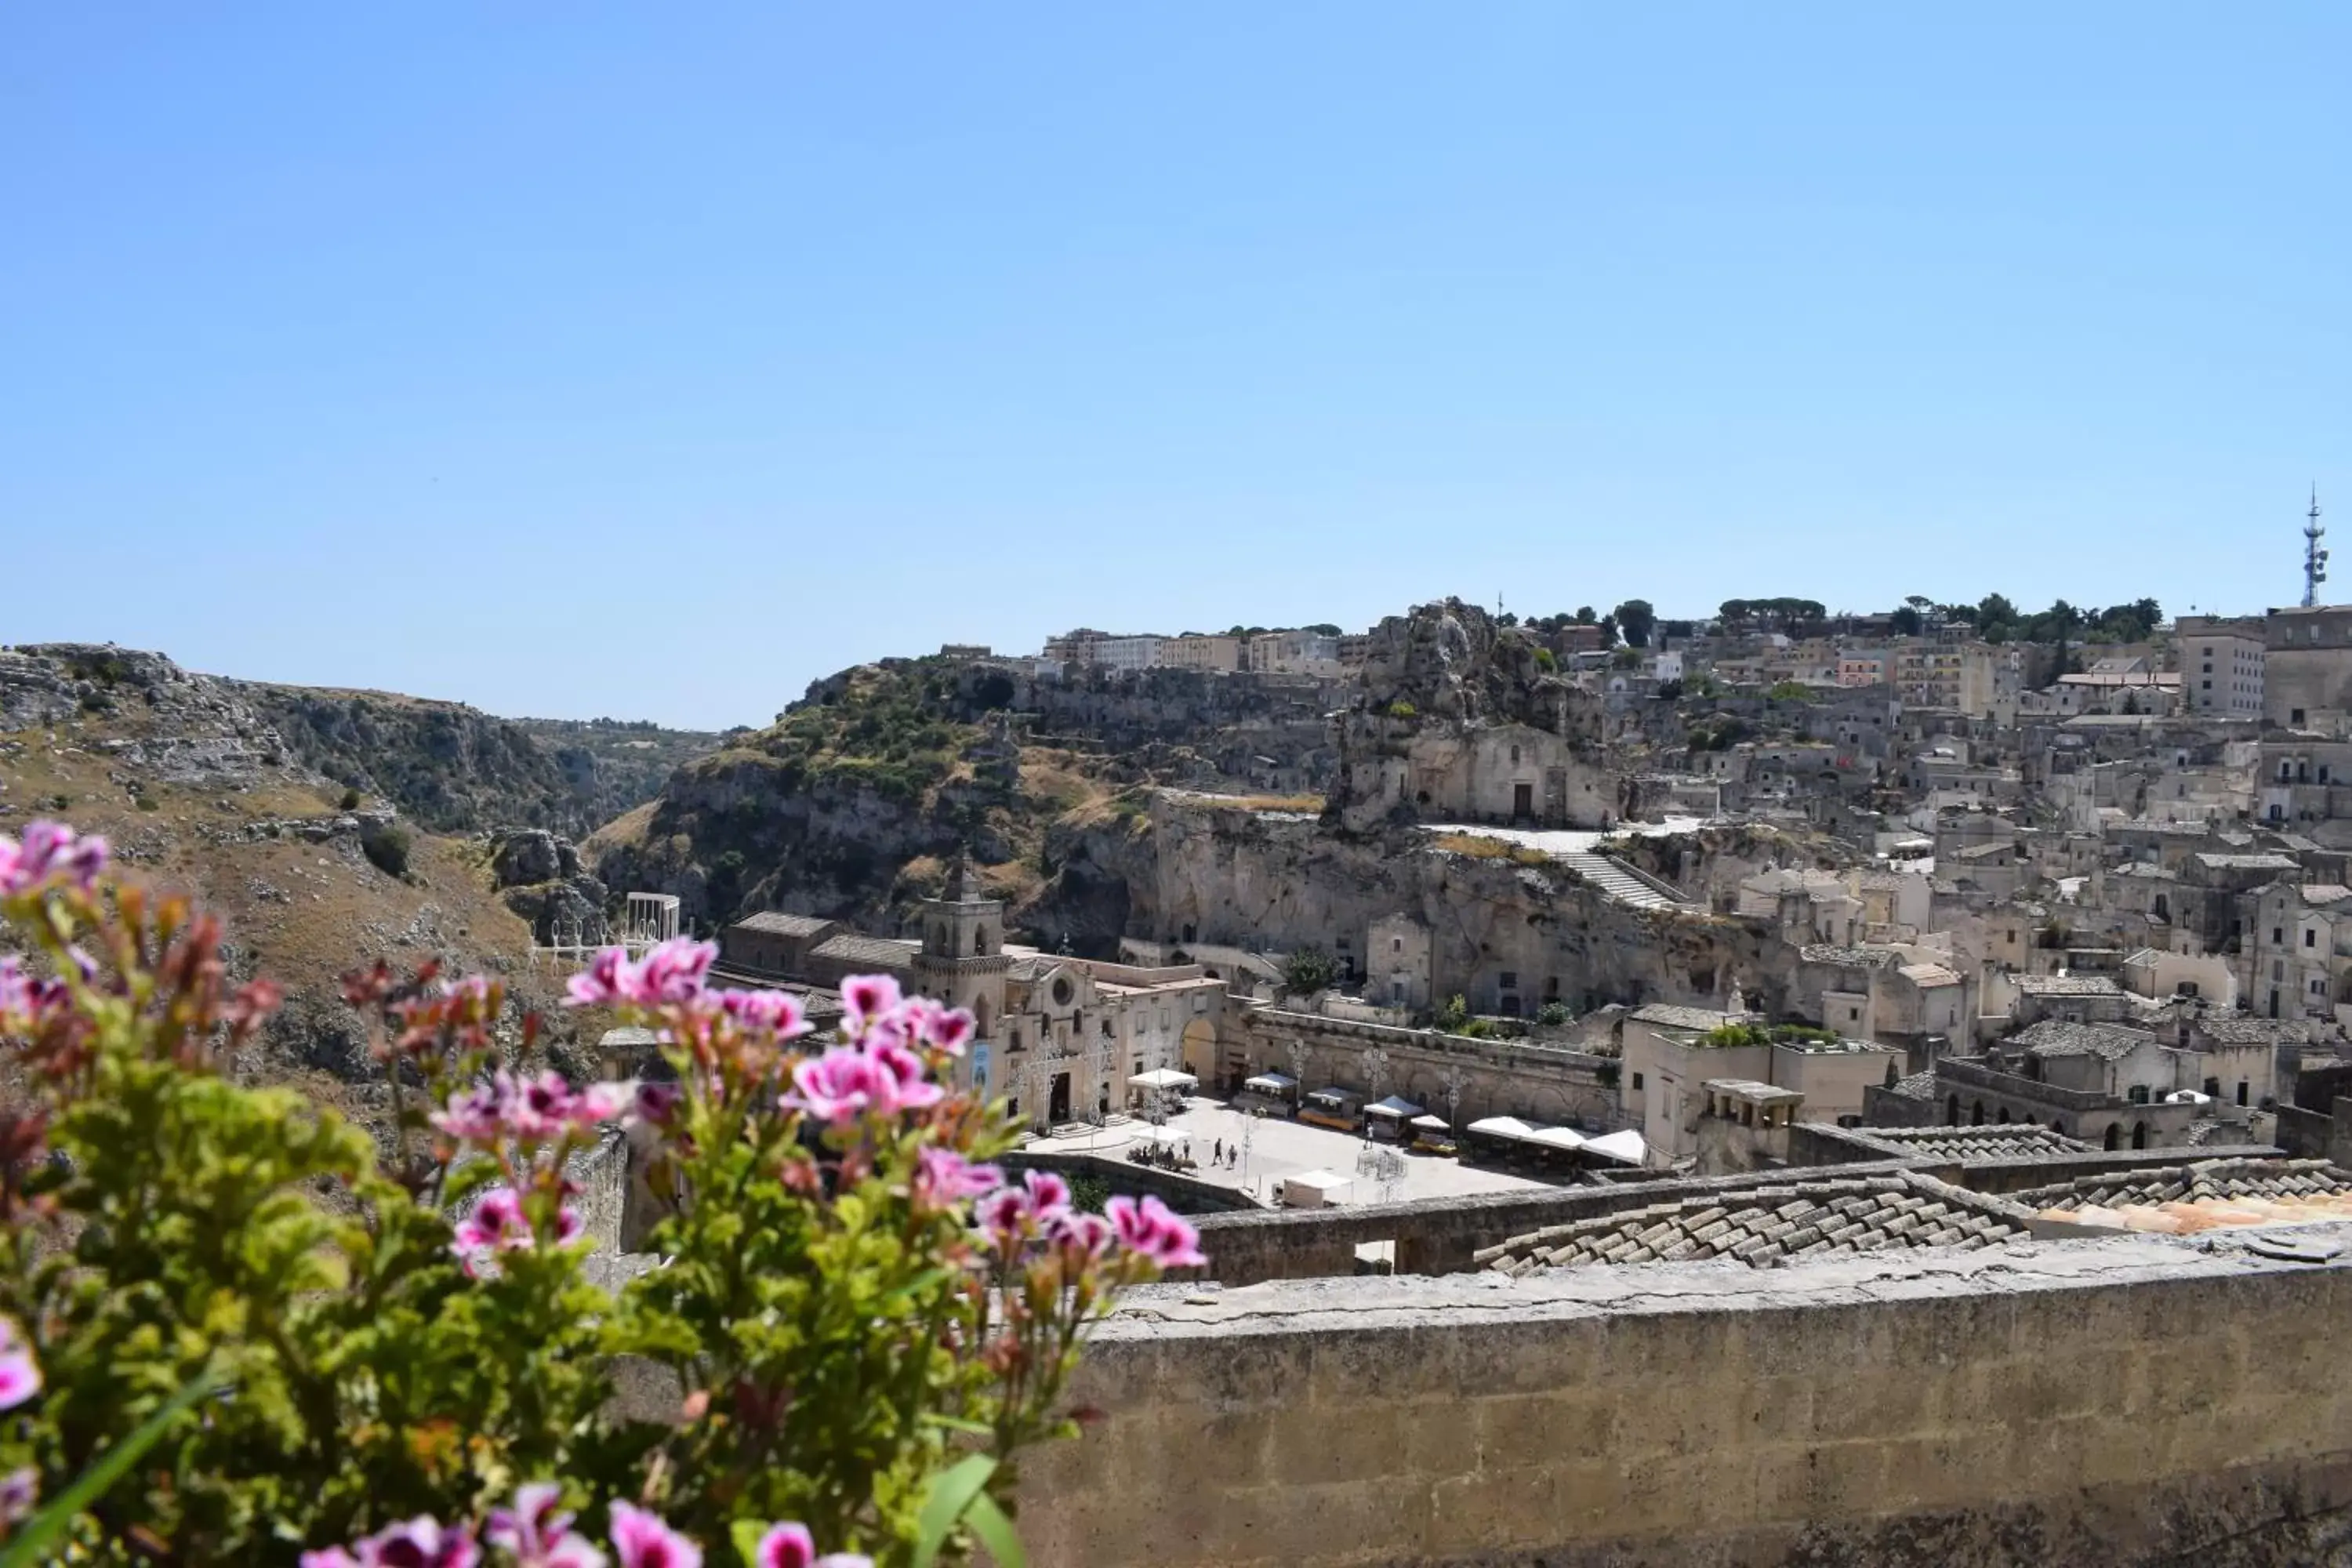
1387 1118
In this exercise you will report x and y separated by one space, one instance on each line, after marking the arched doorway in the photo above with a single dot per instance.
1976 1117
1952 1110
2113 1139
2139 1134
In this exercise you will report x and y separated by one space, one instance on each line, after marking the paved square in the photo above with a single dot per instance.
1278 1147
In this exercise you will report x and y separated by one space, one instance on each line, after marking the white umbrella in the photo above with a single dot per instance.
1163 1078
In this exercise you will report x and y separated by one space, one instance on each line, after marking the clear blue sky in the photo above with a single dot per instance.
652 360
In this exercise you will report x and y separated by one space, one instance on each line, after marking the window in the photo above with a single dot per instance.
2278 937
2319 987
2242 1091
1396 945
1637 1081
2311 939
2139 1094
1510 980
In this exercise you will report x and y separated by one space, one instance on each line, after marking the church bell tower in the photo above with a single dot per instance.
964 962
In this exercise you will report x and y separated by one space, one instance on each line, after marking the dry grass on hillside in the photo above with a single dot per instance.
1480 847
303 912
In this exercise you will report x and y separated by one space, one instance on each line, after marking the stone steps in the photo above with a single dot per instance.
1617 882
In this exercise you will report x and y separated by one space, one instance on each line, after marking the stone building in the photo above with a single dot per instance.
1396 962
1057 1037
2307 667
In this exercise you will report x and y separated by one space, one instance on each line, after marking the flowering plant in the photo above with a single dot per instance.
327 1352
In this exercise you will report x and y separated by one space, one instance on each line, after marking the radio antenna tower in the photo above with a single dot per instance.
2315 559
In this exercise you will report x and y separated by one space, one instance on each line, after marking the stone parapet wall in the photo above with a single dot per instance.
2129 1401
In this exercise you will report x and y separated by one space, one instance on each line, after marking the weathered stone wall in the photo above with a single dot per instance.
1496 1077
2133 1401
1266 880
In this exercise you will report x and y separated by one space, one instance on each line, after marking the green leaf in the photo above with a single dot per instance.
951 1494
746 1533
46 1525
995 1531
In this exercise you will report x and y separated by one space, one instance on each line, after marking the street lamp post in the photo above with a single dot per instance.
1452 1081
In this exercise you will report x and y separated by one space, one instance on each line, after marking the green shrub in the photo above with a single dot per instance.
1400 708
350 800
1308 971
372 1338
386 848
1552 1015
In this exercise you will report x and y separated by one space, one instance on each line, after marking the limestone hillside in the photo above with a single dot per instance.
851 804
195 785
455 769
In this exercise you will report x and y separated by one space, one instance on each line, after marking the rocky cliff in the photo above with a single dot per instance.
193 781
455 769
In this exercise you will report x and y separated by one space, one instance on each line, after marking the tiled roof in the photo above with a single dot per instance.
1918 1086
782 924
2006 1141
2056 1038
848 947
2150 825
2253 1031
2325 893
1760 1226
2068 985
1850 957
2208 1195
1929 975
2248 862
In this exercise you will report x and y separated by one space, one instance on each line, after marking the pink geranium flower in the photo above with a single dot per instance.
839 1085
20 1489
792 1546
537 1533
900 1073
642 1541
50 850
473 1115
603 984
655 1104
1150 1230
1048 1193
943 1176
421 1543
673 972
20 1374
499 1225
1087 1235
865 1000
777 1012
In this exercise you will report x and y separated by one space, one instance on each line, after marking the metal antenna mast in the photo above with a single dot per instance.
2315 559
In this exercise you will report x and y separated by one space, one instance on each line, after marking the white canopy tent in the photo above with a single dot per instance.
1395 1105
1313 1189
1558 1138
1626 1147
1431 1124
1272 1083
1163 1078
1509 1127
